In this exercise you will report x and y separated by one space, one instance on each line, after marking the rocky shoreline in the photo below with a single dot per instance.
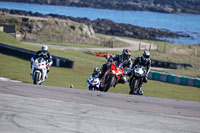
109 27
165 6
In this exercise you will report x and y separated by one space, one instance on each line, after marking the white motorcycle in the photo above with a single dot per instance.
39 70
93 83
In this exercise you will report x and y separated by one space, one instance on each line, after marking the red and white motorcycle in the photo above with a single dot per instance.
112 76
39 70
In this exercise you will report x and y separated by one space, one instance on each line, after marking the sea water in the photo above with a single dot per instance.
181 23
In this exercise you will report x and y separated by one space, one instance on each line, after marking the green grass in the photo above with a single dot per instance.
100 36
184 54
70 44
19 69
7 39
15 68
116 43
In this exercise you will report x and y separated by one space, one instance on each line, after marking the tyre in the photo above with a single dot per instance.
36 78
110 80
101 88
133 84
91 88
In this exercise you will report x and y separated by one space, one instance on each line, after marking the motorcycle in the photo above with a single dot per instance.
39 72
112 76
93 83
136 79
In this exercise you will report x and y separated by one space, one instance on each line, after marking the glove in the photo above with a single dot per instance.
108 64
110 59
128 70
125 72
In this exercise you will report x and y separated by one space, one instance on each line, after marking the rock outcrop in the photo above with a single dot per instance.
166 6
48 29
107 27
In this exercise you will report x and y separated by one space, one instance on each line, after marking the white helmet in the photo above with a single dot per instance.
44 48
96 70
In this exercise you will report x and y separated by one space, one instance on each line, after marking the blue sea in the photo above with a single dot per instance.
183 23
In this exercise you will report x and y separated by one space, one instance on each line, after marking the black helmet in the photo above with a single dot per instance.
126 53
146 54
145 57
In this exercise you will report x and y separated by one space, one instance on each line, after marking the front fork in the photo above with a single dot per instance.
42 74
104 79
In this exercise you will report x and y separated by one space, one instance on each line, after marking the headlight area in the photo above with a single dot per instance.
113 72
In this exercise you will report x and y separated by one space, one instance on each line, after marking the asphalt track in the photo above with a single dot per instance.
26 108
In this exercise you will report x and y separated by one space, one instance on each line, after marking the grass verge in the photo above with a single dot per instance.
19 69
15 68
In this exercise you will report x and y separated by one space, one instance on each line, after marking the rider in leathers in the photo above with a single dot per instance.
44 54
125 59
145 61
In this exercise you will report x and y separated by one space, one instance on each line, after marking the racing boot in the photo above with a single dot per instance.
131 93
140 92
115 85
137 92
46 76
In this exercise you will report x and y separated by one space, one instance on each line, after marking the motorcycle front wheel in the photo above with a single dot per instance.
36 78
110 80
133 84
91 88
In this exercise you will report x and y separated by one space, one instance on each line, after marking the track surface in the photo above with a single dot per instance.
26 108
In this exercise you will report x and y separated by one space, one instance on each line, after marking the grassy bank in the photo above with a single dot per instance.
19 69
177 53
15 68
